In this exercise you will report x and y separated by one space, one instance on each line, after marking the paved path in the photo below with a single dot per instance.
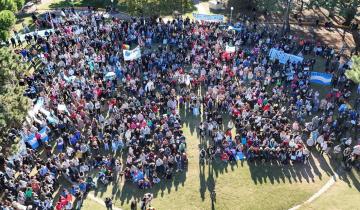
322 190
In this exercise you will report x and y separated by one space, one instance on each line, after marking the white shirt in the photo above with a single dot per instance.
159 162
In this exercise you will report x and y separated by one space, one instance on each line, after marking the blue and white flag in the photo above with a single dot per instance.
32 141
238 29
130 55
44 135
284 57
320 78
209 18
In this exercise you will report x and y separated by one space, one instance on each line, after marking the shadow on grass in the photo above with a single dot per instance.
271 172
130 191
20 17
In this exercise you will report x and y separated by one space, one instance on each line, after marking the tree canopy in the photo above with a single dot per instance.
348 9
13 104
8 5
7 19
354 73
19 4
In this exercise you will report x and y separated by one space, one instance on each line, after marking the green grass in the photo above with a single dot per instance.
92 205
344 194
23 18
238 186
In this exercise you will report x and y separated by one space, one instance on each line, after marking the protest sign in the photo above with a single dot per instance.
284 57
132 54
209 18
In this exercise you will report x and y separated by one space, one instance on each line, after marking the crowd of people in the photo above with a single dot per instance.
97 108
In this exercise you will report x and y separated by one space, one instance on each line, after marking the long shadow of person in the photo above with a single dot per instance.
202 181
211 186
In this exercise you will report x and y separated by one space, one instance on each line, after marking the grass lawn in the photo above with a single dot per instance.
342 195
26 19
92 205
238 186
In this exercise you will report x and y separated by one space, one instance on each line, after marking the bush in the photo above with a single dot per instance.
4 35
8 5
354 73
19 4
7 20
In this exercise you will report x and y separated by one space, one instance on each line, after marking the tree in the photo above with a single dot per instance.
8 5
269 6
7 21
348 9
19 4
4 34
354 73
13 104
286 25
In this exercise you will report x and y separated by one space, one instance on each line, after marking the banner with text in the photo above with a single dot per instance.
284 57
209 18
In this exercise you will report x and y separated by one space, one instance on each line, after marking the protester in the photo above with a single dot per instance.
108 203
93 105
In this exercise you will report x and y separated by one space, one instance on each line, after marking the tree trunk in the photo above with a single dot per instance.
286 25
301 6
356 37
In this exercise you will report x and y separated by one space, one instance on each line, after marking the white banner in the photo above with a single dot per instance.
284 57
230 49
210 18
130 55
38 33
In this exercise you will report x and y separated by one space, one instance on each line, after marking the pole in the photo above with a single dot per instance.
231 11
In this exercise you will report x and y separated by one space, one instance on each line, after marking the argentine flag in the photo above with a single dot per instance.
44 135
31 140
238 29
320 78
130 55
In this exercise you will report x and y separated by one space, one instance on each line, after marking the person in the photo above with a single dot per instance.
213 196
13 42
146 201
91 99
133 205
202 156
108 203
